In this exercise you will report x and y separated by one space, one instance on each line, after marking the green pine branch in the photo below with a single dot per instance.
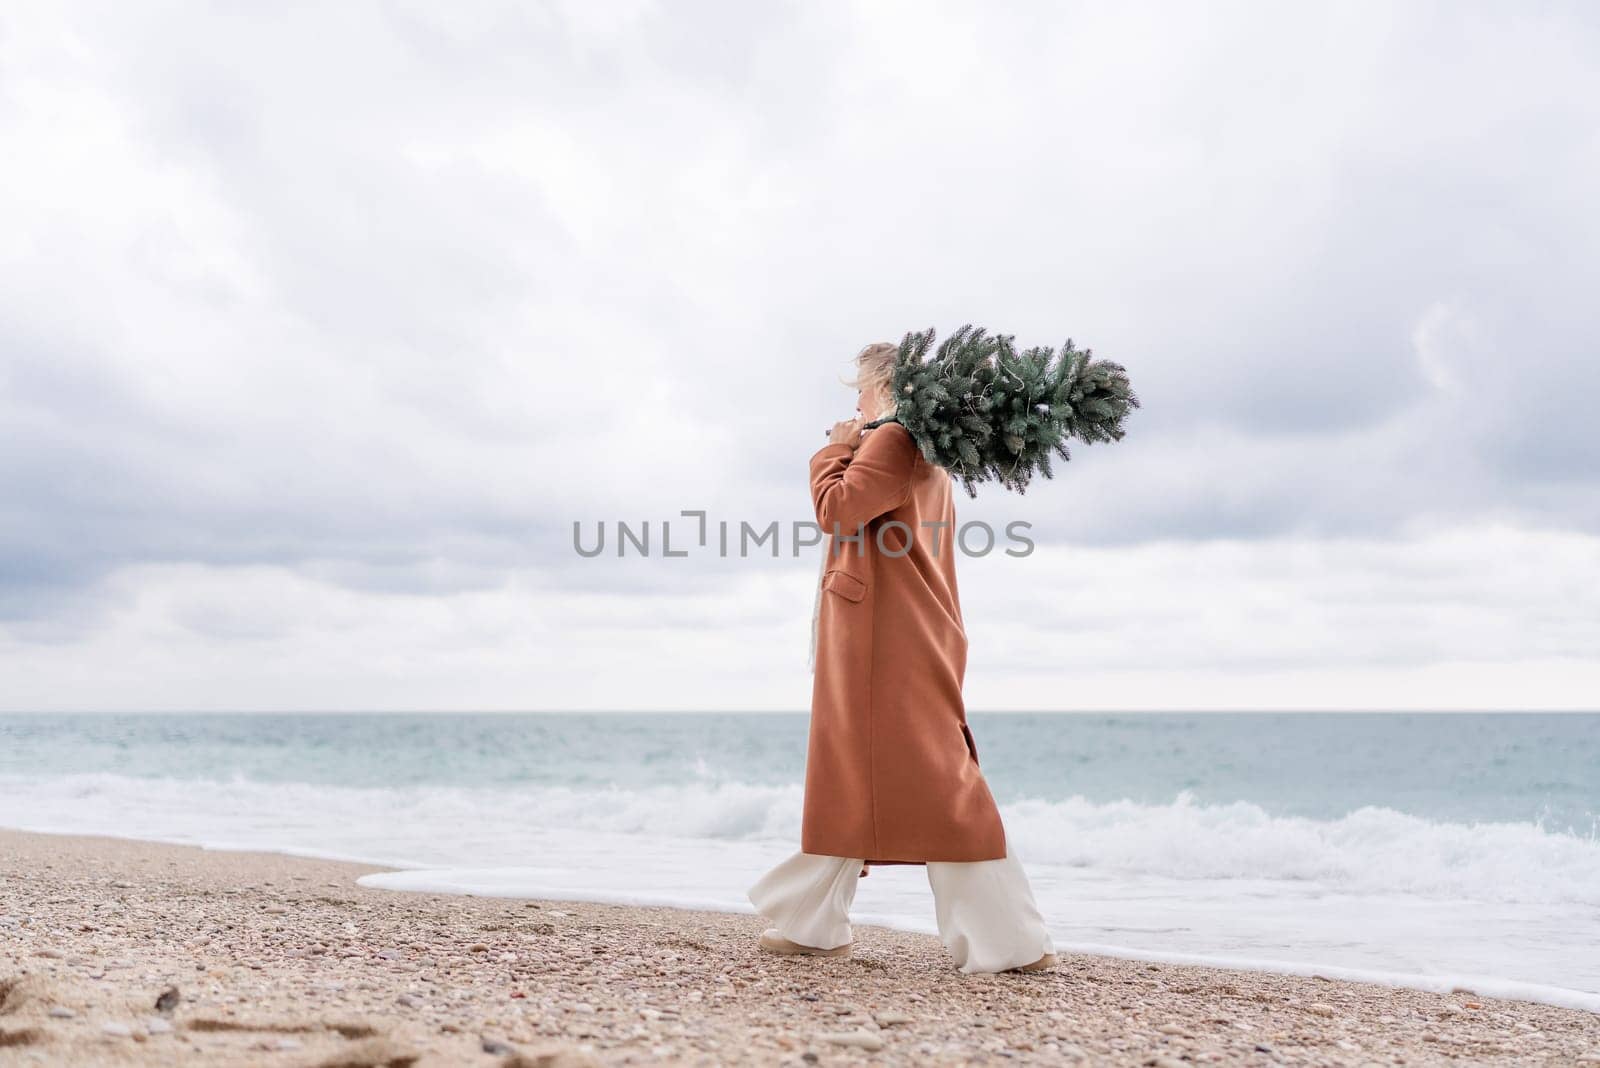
988 413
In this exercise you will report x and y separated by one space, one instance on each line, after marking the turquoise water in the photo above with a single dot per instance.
1434 848
1460 767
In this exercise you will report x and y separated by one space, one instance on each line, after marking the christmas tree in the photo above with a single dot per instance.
988 413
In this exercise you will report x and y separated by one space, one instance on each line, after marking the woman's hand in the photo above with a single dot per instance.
846 433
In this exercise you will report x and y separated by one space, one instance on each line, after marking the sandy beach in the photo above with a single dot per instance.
126 953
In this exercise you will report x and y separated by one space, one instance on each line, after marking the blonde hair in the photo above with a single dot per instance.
875 370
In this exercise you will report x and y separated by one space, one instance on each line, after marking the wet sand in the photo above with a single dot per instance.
272 960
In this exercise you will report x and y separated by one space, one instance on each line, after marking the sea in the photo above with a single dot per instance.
1432 851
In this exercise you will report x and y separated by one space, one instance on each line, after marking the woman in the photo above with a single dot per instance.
892 769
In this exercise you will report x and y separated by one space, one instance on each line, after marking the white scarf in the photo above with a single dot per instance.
816 606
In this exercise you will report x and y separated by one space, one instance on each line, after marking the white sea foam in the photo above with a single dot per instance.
1370 851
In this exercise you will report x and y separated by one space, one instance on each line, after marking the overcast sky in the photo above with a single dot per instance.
320 326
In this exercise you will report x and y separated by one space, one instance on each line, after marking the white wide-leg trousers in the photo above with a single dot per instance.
987 916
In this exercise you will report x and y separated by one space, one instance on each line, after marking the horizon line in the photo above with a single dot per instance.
1142 711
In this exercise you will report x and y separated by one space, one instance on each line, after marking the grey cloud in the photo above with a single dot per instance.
440 243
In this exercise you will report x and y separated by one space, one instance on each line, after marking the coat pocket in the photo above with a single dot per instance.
845 585
972 745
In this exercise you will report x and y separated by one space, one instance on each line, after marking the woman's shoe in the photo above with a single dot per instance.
1043 964
773 942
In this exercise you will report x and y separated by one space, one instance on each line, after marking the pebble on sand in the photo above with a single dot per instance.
858 1039
168 1000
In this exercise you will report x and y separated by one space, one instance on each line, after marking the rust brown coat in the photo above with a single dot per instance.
891 767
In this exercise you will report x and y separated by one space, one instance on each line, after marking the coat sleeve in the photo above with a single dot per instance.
853 487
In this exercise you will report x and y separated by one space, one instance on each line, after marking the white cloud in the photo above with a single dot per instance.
351 313
1495 617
